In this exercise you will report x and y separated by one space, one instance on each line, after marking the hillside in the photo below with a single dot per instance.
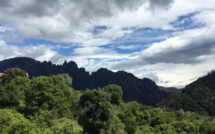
199 96
144 90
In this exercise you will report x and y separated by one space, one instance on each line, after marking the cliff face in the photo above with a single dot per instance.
144 91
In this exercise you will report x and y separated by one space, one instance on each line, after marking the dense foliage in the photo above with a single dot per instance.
49 105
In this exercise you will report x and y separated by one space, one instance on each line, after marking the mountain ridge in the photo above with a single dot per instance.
144 90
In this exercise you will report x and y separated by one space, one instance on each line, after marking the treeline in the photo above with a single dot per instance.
48 105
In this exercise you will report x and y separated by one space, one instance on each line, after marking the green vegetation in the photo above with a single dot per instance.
198 96
66 78
49 105
11 74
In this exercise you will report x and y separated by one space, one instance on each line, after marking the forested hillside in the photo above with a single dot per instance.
49 105
198 96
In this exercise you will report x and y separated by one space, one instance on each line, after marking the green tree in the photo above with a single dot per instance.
128 115
66 78
145 129
130 123
13 93
165 129
48 93
207 127
116 93
96 108
66 126
114 126
184 127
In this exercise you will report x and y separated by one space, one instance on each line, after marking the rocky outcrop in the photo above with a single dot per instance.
144 91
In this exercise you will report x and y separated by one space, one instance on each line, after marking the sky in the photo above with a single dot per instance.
171 42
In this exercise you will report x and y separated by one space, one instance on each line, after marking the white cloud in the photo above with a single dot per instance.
205 17
4 29
93 51
129 47
115 32
40 52
177 60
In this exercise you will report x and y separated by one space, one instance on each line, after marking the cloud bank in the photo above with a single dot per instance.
169 41
59 20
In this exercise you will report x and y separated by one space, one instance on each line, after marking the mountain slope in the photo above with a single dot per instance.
144 91
200 93
170 89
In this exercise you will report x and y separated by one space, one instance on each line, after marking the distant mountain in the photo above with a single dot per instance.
144 90
198 96
170 89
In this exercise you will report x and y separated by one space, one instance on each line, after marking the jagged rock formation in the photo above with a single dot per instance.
144 90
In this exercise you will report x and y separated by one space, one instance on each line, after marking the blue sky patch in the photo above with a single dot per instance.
186 22
98 29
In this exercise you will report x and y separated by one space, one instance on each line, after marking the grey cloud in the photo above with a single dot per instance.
129 4
160 3
186 55
127 64
76 8
167 81
202 45
152 76
9 36
4 3
57 59
24 15
164 82
38 8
